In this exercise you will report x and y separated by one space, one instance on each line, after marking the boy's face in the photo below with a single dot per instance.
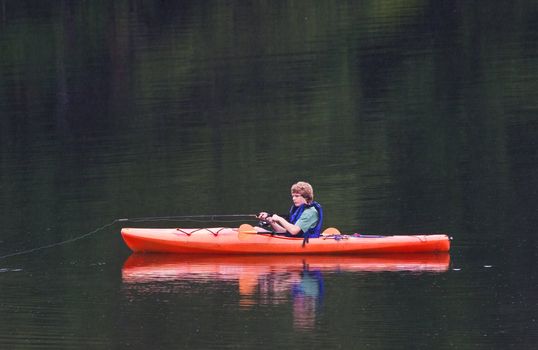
297 199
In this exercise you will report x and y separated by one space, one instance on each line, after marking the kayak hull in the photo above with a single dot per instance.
231 241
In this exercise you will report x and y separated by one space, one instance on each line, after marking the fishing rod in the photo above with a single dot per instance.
196 218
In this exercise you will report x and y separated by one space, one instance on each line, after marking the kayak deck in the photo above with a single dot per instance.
221 240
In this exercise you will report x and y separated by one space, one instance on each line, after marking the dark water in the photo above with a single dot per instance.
406 116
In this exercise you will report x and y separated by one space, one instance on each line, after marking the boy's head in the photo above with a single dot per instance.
304 189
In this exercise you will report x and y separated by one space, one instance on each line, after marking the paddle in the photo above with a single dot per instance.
250 230
247 229
331 231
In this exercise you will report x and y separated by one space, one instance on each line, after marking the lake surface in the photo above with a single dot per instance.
406 117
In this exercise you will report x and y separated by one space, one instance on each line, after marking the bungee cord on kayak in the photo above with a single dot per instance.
193 218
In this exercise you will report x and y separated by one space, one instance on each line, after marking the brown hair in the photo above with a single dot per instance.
304 189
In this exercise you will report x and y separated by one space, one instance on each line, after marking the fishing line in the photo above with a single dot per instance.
193 218
52 245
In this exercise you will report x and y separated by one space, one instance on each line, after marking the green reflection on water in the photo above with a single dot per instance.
405 116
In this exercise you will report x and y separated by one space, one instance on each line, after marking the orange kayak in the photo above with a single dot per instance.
222 240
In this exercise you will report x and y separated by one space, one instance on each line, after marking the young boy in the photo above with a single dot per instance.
306 215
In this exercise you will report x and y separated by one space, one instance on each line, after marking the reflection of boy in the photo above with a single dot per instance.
310 285
307 297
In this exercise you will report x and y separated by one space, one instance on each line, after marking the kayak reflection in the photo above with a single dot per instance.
267 280
140 268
